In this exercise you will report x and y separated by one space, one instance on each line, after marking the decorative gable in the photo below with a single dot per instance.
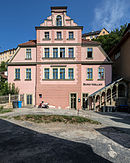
58 13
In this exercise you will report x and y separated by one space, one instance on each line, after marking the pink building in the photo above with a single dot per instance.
59 67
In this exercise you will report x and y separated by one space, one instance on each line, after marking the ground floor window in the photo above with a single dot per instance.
29 99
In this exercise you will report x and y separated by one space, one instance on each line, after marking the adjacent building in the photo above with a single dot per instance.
120 55
95 34
59 67
7 55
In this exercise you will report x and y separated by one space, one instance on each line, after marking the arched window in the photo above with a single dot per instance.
59 21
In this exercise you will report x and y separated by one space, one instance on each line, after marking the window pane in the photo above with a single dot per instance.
46 73
101 73
28 53
71 73
59 36
29 99
46 52
46 35
71 52
62 52
62 73
17 73
59 20
89 53
55 52
71 35
89 73
55 73
28 73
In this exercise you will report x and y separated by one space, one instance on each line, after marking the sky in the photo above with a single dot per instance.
18 18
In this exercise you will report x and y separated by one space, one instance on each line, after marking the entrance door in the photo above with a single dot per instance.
85 100
73 100
29 99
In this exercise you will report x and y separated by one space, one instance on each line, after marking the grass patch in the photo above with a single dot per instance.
55 118
4 117
5 110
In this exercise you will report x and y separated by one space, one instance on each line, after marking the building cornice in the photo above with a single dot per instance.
62 62
58 44
58 27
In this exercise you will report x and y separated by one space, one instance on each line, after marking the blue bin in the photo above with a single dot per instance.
19 104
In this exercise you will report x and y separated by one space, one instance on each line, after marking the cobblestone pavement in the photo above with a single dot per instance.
23 141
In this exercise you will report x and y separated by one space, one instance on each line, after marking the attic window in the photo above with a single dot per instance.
89 53
58 20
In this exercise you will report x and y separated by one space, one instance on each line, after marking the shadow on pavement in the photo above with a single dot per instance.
19 144
117 134
118 116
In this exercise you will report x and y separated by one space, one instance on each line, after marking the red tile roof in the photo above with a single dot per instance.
90 42
28 43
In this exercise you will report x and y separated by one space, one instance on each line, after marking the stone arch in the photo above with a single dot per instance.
121 90
97 102
114 90
103 98
109 96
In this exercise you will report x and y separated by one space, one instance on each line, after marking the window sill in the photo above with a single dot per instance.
28 79
58 39
17 79
58 58
101 79
28 58
89 79
89 58
58 79
70 38
45 39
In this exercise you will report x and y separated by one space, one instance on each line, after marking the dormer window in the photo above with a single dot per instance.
89 53
58 20
28 53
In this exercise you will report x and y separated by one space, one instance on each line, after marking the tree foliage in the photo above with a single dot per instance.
6 89
3 66
111 40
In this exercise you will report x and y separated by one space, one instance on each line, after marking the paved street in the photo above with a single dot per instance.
23 141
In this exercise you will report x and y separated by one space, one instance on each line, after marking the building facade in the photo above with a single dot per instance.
7 55
95 34
120 55
59 67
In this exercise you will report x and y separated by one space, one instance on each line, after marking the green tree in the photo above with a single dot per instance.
111 40
6 89
3 66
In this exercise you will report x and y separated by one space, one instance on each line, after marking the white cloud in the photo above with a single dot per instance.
111 13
